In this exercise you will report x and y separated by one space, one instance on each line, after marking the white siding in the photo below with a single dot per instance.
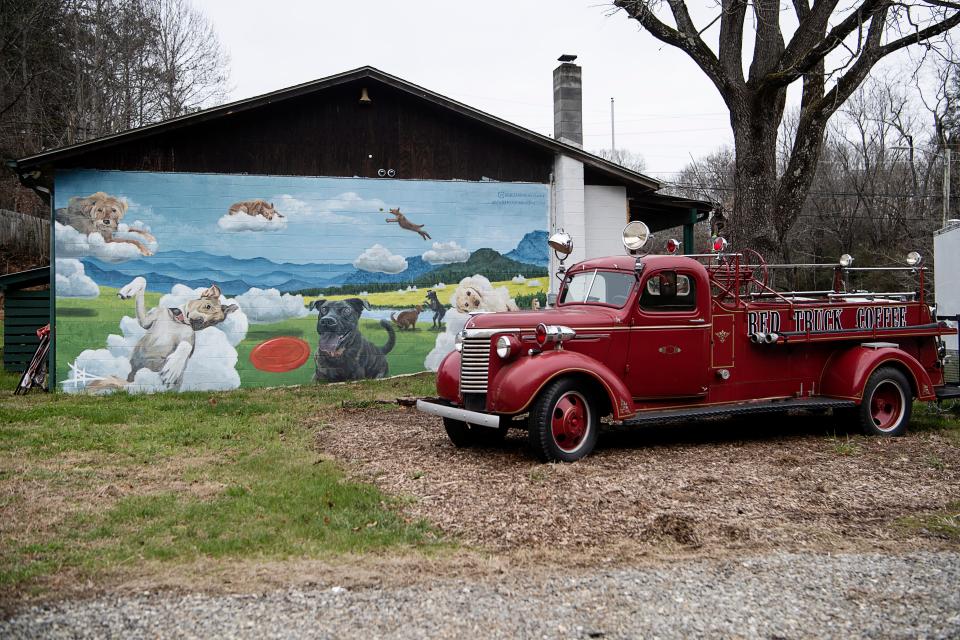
606 215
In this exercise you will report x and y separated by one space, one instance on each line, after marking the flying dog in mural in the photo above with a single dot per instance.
101 213
167 345
405 223
342 352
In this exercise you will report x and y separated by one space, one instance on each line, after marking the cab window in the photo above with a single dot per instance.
669 291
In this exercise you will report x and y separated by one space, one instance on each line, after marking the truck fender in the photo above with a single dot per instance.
846 373
518 384
448 377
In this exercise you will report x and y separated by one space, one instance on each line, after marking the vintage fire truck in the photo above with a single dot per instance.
640 339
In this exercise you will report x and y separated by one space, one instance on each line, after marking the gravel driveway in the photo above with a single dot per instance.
775 596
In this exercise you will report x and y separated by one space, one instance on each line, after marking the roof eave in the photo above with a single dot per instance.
55 155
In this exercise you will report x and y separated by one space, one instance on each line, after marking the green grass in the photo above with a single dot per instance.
85 324
268 493
942 524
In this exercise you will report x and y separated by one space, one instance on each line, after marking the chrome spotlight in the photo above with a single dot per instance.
914 258
561 242
635 235
846 260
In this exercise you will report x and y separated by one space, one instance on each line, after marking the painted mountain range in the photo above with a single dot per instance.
237 275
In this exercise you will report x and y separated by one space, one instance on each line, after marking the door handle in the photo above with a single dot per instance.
697 320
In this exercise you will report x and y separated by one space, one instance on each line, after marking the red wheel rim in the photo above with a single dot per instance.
570 422
886 406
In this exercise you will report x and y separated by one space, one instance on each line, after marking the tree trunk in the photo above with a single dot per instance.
755 176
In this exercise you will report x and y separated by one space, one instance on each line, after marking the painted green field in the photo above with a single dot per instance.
406 299
85 324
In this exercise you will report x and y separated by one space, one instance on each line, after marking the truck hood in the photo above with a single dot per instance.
573 316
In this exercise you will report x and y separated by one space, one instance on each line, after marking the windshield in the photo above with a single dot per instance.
598 287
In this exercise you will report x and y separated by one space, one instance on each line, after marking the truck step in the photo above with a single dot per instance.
947 392
718 411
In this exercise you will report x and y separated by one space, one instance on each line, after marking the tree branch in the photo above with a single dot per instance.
690 43
731 39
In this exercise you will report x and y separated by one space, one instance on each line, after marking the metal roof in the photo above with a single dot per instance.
25 279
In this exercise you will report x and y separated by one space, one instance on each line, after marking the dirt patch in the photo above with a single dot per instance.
39 495
722 486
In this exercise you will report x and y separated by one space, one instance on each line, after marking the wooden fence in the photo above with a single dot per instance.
25 234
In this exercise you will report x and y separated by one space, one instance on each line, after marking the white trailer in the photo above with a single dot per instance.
946 279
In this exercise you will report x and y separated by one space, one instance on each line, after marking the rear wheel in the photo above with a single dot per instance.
464 435
887 403
563 422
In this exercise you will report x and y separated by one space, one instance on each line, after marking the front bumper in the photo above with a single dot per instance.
475 418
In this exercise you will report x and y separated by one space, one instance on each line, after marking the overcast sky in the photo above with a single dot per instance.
497 56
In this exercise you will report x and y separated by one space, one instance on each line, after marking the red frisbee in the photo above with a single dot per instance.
277 355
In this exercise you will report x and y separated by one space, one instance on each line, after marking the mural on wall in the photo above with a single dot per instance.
173 281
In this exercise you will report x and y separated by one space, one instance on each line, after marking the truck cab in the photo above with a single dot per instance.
640 339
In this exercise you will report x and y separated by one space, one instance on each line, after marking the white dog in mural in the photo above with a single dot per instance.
170 335
475 293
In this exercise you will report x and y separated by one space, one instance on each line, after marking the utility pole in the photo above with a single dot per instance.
613 137
946 185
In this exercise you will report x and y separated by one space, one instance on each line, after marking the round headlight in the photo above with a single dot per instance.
504 347
458 341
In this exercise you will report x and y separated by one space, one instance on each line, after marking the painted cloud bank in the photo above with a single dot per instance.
267 305
242 222
378 258
72 282
446 253
70 243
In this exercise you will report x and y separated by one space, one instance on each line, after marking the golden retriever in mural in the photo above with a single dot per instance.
255 208
167 345
101 213
405 223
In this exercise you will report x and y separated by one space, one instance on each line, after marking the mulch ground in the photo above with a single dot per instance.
784 482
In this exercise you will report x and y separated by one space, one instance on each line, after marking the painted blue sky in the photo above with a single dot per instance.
327 219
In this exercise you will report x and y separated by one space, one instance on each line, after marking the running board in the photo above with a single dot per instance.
947 392
745 408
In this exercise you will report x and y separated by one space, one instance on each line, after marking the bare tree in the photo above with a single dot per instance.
831 52
624 158
192 66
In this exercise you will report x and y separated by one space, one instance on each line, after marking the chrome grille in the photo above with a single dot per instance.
474 364
951 367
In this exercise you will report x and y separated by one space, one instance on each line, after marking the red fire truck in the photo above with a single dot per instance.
642 339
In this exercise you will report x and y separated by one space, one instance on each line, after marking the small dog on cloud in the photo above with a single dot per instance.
167 345
101 213
342 352
255 208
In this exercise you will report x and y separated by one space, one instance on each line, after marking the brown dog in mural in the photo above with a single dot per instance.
407 319
167 345
342 352
405 223
260 208
101 213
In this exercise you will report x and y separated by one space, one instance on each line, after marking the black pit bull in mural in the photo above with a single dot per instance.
342 353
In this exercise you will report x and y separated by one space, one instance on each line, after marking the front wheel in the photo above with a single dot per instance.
464 435
563 422
887 403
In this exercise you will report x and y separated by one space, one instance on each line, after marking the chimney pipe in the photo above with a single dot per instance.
568 102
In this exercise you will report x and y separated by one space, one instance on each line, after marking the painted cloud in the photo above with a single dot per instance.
268 305
72 282
446 253
242 222
378 258
70 243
